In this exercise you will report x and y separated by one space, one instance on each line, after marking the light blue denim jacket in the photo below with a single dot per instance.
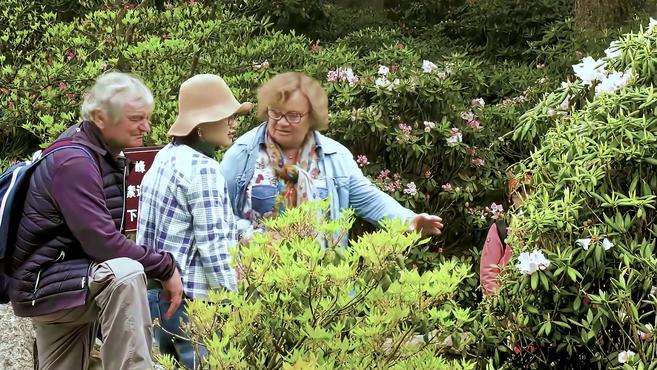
346 185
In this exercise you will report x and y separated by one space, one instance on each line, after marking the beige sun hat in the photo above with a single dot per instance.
204 98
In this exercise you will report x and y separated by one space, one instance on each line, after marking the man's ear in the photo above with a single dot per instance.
100 118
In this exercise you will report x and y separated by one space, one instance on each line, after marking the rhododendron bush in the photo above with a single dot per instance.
427 128
581 291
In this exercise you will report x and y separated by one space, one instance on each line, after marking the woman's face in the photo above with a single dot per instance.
290 135
218 133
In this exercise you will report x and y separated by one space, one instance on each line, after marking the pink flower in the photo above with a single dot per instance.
69 55
383 175
63 86
411 189
427 174
406 129
496 210
475 124
472 150
478 162
362 160
342 75
332 76
447 187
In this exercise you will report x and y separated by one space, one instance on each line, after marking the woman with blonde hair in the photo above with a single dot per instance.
286 161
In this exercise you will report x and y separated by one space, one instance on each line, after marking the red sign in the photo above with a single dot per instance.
141 159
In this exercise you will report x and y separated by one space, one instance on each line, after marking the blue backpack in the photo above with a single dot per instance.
14 183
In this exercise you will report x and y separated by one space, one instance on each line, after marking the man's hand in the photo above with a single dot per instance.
426 224
172 291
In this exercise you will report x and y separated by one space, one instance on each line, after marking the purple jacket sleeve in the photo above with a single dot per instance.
78 192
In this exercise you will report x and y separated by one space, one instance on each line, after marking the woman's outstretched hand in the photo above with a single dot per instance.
426 224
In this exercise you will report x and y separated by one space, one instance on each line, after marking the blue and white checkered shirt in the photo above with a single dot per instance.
184 209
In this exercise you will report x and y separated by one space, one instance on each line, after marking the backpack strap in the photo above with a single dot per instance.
65 144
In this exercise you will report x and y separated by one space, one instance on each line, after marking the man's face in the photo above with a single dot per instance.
130 129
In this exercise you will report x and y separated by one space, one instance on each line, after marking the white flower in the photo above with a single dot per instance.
653 291
382 82
455 137
383 70
584 243
411 189
589 70
607 244
428 66
614 50
351 77
551 112
528 263
477 103
441 75
565 85
625 356
428 126
613 82
652 24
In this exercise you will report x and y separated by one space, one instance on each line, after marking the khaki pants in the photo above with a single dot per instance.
117 303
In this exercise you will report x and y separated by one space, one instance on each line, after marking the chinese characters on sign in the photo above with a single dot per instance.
141 160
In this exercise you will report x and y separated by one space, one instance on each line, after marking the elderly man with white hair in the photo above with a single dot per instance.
72 269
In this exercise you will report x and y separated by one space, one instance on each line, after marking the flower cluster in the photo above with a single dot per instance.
529 263
428 126
496 210
411 189
428 66
591 71
625 356
585 243
388 184
362 160
455 137
342 75
383 82
405 129
471 119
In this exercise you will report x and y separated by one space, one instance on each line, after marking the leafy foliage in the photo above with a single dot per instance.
304 305
592 211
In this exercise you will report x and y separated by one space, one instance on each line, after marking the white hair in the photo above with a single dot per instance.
111 91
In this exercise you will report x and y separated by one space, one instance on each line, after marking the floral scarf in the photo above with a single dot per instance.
296 184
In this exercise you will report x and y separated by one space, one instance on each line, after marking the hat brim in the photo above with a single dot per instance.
184 125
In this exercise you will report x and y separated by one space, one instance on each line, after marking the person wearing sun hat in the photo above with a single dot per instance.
184 207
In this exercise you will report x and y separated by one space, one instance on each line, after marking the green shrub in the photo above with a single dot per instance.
301 305
591 213
299 15
44 93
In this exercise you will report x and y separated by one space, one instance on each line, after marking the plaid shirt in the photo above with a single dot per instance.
184 209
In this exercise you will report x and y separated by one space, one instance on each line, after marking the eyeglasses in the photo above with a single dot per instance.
291 117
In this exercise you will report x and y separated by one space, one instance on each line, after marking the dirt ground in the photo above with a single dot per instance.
16 340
